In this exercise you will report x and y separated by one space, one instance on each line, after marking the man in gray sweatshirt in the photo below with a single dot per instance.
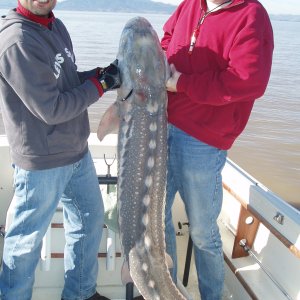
44 101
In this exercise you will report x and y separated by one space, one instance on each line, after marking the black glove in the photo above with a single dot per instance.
109 77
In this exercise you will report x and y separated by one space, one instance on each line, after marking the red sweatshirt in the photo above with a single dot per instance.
227 70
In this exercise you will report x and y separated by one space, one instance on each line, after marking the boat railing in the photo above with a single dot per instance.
260 206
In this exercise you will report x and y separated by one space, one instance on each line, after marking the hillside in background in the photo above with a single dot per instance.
144 6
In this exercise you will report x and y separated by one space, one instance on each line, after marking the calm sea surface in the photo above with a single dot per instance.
269 148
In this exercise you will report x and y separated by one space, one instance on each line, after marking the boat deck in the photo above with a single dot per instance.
270 272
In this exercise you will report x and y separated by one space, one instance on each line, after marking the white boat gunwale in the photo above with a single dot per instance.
249 194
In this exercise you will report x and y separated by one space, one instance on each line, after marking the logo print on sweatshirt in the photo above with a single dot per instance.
59 60
70 54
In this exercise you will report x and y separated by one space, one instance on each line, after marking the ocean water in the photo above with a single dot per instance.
269 148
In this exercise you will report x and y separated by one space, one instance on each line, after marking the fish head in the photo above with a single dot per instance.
140 56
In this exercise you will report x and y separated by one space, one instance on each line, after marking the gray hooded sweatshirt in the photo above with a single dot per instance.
44 99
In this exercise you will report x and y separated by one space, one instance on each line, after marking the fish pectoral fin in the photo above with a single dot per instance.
169 261
109 123
125 274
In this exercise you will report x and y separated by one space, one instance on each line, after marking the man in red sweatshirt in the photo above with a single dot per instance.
220 54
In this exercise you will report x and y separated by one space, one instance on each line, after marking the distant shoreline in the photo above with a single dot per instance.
281 17
107 11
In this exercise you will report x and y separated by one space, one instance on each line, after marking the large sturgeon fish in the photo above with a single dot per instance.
140 112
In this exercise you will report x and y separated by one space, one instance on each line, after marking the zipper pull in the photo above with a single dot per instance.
193 40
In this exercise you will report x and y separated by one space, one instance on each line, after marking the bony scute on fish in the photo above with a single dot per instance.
140 114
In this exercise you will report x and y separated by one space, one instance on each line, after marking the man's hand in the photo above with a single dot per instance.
171 84
109 77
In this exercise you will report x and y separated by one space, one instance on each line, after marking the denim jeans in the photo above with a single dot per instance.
37 194
194 170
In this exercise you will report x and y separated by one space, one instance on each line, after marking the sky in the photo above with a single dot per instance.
291 7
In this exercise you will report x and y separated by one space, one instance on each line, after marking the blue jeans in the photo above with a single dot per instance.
194 170
37 194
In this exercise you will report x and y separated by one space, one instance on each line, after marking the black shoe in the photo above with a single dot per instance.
98 297
95 297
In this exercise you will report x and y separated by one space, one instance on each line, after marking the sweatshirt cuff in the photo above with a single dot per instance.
98 85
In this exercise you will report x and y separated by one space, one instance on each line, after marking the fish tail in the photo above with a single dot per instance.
156 282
